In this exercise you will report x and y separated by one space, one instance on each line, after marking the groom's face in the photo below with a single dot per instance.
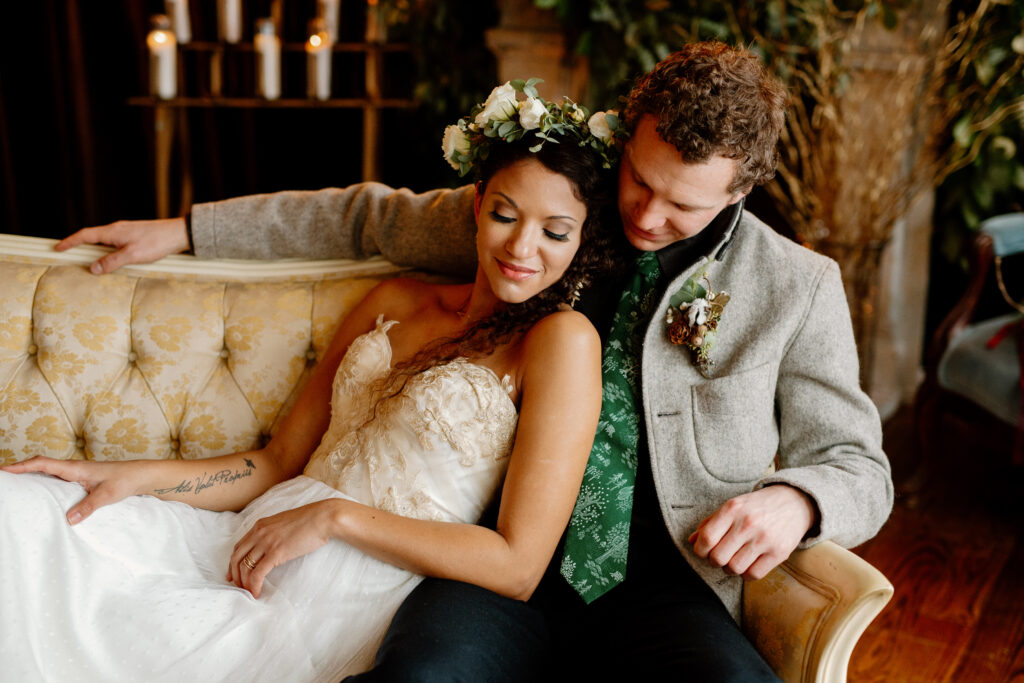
662 199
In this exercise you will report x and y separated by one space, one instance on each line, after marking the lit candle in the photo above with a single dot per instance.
268 60
229 20
318 61
177 10
163 59
329 11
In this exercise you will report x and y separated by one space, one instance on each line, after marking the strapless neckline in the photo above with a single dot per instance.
436 448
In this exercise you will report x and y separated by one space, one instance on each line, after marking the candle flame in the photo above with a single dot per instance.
314 40
160 37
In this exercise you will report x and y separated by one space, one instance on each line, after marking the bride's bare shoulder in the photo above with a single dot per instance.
563 334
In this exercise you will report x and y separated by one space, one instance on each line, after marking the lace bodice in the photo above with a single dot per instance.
436 450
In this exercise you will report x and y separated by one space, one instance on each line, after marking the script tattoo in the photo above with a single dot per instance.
205 481
183 487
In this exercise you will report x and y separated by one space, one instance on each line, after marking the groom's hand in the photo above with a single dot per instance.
753 533
136 242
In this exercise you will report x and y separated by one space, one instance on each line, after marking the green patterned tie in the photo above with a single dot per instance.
597 542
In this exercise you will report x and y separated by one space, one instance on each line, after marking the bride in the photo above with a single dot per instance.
428 399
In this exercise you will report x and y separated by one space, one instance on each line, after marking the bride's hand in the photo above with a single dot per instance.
104 482
274 540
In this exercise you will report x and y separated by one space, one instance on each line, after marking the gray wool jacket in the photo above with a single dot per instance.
784 388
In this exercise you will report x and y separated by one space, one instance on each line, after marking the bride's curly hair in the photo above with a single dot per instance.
600 255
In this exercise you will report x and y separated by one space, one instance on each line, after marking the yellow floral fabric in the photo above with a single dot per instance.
120 367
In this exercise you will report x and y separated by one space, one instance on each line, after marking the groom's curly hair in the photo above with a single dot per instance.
710 99
600 255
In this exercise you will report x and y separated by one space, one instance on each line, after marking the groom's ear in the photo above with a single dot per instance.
478 199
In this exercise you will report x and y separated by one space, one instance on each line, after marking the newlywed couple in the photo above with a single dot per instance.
616 555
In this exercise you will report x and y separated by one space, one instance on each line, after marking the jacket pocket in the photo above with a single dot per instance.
734 426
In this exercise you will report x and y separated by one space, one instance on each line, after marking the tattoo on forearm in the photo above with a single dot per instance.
205 481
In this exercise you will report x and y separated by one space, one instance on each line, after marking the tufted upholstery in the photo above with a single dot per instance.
152 364
190 359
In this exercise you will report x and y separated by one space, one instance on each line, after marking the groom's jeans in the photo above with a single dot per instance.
662 623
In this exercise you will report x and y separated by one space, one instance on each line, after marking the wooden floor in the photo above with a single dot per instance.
956 559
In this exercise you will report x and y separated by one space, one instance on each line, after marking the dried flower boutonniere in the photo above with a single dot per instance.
693 315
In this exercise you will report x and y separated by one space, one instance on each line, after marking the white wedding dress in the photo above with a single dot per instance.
137 592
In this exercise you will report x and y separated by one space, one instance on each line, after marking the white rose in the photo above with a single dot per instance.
599 126
454 142
531 111
499 105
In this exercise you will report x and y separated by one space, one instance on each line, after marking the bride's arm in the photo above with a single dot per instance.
561 402
226 482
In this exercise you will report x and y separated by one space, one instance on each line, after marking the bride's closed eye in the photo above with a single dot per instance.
501 218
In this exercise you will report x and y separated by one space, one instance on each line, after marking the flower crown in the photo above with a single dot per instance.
506 118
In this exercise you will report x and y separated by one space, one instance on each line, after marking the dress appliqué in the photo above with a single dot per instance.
430 449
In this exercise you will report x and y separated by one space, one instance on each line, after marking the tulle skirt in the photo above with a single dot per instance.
137 592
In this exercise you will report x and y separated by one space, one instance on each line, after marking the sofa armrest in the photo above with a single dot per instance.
806 616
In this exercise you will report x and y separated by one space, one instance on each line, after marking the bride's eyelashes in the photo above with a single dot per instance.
558 236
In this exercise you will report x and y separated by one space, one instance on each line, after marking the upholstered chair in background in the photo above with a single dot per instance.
973 366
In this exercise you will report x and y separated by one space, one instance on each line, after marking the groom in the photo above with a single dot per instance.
733 429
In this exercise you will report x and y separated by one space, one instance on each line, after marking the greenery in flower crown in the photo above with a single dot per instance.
506 118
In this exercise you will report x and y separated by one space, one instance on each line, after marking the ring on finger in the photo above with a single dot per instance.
248 562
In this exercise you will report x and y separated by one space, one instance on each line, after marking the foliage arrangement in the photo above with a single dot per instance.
987 177
951 105
963 95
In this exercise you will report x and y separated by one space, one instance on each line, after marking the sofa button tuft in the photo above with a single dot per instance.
79 443
132 356
32 349
175 445
224 353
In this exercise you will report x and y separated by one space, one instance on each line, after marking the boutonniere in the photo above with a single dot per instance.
693 315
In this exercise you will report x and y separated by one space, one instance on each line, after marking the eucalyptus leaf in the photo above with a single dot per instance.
691 289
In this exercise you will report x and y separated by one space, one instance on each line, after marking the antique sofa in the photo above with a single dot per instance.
189 359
